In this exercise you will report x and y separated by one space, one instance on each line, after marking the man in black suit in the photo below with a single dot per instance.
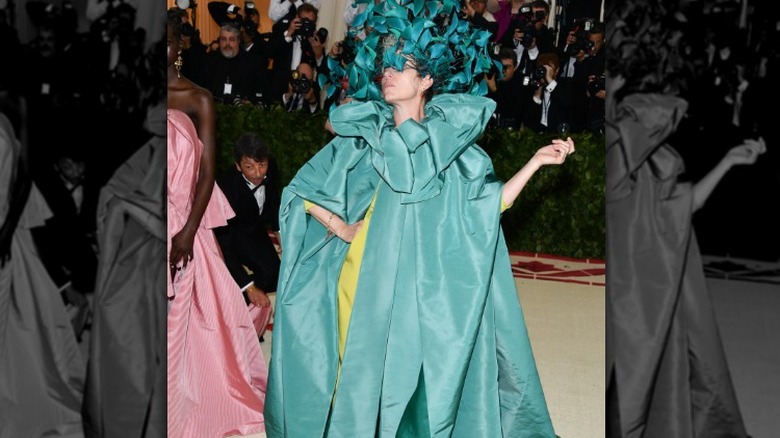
550 106
254 194
66 243
508 92
230 73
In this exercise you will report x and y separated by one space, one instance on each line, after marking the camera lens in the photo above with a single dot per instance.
307 28
322 35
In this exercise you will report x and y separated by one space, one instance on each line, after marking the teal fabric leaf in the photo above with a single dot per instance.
430 33
418 7
437 50
397 24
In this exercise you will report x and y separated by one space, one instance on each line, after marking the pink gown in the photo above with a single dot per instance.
216 371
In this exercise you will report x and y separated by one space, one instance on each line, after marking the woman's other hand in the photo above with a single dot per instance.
348 232
181 249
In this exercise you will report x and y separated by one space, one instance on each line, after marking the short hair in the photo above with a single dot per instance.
230 27
508 53
597 27
549 58
307 7
541 4
251 145
306 62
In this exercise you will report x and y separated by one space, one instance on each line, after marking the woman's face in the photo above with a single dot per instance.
401 86
173 47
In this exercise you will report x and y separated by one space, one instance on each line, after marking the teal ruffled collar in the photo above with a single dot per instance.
411 157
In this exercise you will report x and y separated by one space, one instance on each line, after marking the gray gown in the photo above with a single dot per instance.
41 366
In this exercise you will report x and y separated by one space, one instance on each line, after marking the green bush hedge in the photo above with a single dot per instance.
561 210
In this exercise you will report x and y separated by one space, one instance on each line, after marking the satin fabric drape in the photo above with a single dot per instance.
666 369
125 394
41 366
436 317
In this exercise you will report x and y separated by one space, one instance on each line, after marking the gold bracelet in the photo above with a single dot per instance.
330 232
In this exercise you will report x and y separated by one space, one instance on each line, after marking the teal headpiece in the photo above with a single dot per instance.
430 33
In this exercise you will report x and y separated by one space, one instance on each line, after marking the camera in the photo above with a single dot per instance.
322 35
597 85
536 78
299 83
583 24
249 26
581 28
529 32
525 12
307 28
347 54
582 44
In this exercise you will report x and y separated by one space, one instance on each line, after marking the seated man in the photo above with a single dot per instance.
254 194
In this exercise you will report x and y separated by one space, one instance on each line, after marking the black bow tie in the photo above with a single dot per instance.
257 186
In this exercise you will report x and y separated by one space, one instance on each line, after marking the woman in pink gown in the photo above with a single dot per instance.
216 370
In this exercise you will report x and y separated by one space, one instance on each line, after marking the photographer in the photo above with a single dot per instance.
228 74
588 96
295 41
257 48
575 50
550 107
522 36
475 11
516 17
507 91
301 93
545 37
506 13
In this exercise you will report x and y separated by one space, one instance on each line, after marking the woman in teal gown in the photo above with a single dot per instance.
391 237
667 374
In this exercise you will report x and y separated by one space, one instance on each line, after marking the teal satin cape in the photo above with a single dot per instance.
437 344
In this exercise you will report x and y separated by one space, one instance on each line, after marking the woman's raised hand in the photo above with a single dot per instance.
556 152
747 152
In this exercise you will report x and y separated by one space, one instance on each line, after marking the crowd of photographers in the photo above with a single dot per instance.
550 81
547 83
103 81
